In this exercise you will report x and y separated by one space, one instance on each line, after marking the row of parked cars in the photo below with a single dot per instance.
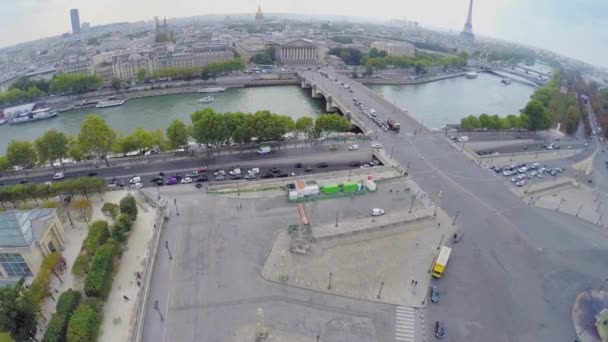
519 173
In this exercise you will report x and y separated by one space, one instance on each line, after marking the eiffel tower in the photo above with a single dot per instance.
467 36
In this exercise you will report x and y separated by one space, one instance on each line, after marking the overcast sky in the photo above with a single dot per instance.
576 28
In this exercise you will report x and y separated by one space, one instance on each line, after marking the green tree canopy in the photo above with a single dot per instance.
305 125
51 146
116 83
329 123
177 134
96 136
21 153
470 123
74 84
17 313
538 118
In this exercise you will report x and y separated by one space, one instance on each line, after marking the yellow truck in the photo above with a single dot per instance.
441 262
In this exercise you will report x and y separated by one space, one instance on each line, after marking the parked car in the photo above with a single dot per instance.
202 178
219 177
355 164
193 173
58 175
267 175
92 174
377 212
353 147
236 177
376 145
186 180
249 176
322 165
308 169
282 175
156 179
298 165
219 172
434 294
171 181
254 171
203 169
135 179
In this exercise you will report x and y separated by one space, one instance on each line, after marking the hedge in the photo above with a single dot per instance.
122 227
58 325
57 328
129 207
97 236
98 281
39 289
68 301
85 322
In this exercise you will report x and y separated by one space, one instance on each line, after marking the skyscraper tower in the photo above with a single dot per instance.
75 21
467 35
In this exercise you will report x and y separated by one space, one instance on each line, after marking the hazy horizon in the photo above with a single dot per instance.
572 28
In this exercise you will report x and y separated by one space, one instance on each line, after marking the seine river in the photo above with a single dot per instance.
436 103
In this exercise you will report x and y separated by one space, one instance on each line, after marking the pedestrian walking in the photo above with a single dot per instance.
139 283
126 298
416 283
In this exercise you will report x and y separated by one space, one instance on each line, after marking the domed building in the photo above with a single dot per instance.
259 16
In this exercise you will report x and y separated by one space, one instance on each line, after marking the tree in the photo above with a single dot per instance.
208 127
328 123
538 118
305 125
74 84
470 123
83 206
21 153
177 134
51 146
514 121
4 164
17 313
142 75
96 136
116 83
110 210
129 206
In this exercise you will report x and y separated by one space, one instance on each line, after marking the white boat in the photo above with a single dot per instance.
471 75
39 114
212 90
206 99
3 121
109 103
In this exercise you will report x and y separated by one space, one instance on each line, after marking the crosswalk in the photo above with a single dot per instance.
405 319
420 194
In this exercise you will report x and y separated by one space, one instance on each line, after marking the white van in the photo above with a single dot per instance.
135 180
264 150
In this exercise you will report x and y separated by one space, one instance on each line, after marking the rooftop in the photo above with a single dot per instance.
19 228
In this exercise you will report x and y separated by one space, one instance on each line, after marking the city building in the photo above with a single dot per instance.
394 48
467 36
26 237
85 26
75 21
298 52
45 74
246 49
259 17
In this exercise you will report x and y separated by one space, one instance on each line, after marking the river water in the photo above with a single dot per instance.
436 103
447 101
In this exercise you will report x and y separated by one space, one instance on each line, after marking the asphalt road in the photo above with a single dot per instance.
319 153
518 269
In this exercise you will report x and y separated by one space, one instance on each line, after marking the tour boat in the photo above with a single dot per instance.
109 103
206 99
35 115
471 74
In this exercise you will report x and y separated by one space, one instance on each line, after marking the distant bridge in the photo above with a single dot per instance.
338 98
501 71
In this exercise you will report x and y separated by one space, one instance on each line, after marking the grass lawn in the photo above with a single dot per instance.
5 337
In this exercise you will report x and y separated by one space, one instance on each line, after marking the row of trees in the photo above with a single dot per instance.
98 139
210 70
58 325
419 63
494 122
25 90
559 102
23 193
209 127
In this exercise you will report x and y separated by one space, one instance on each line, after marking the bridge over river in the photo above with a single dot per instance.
338 98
